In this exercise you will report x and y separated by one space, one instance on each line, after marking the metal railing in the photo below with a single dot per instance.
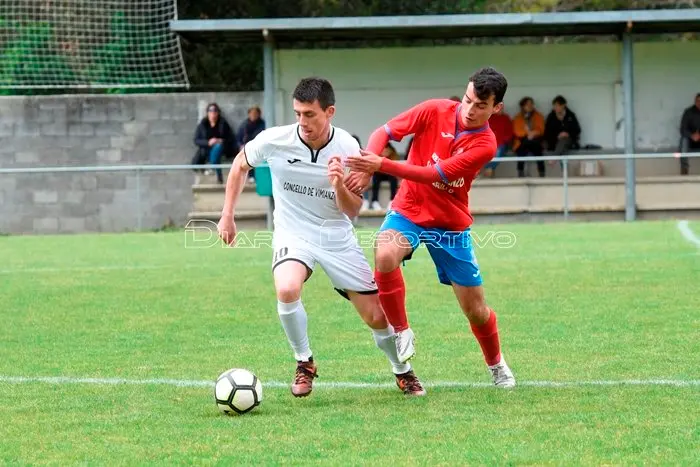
140 169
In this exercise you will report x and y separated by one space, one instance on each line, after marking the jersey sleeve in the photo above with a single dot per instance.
470 160
257 151
410 121
348 147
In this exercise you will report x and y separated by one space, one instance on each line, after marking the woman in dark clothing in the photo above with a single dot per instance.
214 139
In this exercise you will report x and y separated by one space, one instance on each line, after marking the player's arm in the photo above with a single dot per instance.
406 123
235 183
347 201
466 164
252 155
234 187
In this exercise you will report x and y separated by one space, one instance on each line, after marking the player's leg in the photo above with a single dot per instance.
397 239
291 268
370 310
351 276
482 320
457 266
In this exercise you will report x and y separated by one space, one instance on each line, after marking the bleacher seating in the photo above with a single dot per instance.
660 192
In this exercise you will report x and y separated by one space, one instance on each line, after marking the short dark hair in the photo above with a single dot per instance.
559 100
525 100
489 82
315 89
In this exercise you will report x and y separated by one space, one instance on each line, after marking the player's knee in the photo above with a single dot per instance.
288 292
370 309
476 311
386 260
378 320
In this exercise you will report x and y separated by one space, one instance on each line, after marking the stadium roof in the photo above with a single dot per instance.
290 30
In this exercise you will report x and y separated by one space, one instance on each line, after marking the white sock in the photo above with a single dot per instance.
386 340
293 317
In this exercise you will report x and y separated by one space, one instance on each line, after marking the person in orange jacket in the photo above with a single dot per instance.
528 128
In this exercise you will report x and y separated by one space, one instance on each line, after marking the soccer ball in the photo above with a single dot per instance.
237 391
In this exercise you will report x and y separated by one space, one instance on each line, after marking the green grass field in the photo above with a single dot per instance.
609 309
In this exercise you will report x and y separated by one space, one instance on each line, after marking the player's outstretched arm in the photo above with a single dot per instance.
466 164
346 200
234 187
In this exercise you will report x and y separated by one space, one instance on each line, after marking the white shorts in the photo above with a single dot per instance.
347 268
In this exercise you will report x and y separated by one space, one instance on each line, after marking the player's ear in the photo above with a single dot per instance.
497 108
330 111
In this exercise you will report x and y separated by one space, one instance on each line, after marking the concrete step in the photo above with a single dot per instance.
210 197
503 200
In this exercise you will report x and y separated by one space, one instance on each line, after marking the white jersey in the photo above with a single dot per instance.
305 203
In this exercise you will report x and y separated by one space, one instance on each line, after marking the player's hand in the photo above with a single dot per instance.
367 162
336 173
227 229
357 182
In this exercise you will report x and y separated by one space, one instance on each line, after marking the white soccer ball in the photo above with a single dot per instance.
237 391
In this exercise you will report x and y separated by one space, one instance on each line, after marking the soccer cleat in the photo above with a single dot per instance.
410 384
304 379
502 376
405 345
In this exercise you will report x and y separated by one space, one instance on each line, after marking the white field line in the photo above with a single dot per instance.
97 268
343 384
688 233
267 262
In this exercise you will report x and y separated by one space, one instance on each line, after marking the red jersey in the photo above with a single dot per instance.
457 154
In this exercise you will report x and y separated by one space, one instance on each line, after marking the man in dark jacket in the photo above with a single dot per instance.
250 128
561 130
214 139
690 132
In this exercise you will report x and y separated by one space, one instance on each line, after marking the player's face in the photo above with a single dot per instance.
476 112
313 120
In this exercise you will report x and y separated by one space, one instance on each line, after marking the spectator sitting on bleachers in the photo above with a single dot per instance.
249 129
215 140
561 130
502 127
690 132
528 128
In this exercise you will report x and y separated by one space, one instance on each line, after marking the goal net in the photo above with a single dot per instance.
89 44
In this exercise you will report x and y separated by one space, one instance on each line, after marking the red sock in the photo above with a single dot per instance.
392 295
487 335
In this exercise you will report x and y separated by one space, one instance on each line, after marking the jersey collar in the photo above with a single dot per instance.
315 153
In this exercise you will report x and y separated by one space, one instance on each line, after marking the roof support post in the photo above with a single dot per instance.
269 79
628 96
269 103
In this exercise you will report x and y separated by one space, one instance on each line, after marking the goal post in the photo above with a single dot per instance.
89 44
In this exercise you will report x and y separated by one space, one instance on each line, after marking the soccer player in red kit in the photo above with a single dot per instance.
452 143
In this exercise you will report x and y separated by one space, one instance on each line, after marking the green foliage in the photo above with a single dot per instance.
37 52
220 65
30 56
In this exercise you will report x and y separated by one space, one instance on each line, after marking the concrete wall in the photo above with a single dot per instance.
85 130
374 84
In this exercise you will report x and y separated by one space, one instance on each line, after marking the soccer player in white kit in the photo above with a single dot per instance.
312 225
